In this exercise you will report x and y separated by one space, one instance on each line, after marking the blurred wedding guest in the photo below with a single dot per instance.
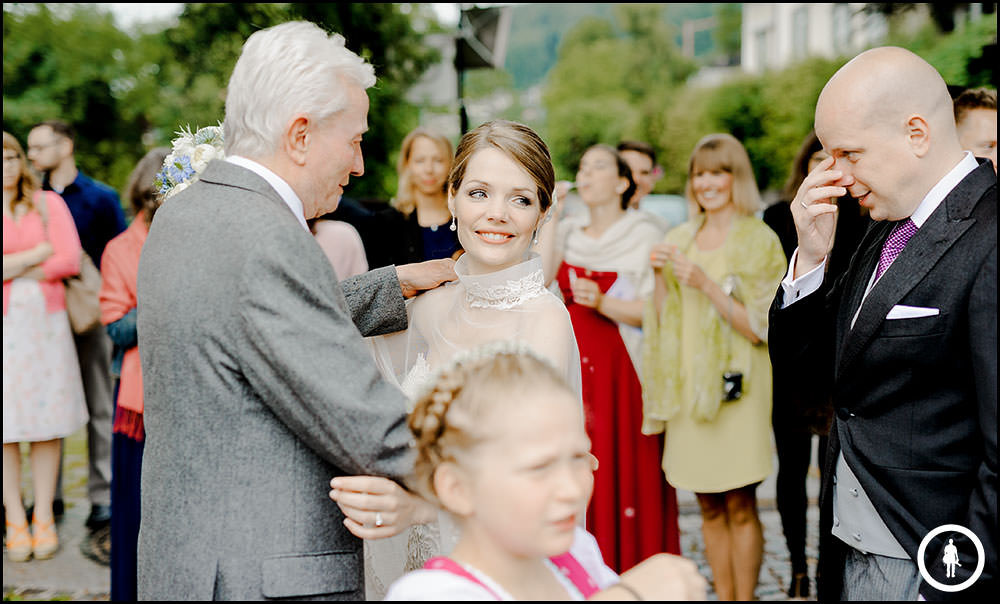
976 118
119 268
706 372
604 276
98 216
801 410
641 159
342 245
43 399
417 226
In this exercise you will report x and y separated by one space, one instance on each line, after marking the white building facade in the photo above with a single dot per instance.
776 35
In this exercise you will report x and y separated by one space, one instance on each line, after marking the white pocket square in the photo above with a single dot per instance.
911 312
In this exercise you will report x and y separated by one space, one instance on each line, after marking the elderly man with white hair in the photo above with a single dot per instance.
258 386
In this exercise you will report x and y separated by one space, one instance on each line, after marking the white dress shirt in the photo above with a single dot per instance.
278 183
796 289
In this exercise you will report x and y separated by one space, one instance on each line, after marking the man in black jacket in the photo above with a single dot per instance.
906 338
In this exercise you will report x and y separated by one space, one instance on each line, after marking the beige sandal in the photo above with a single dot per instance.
18 543
45 540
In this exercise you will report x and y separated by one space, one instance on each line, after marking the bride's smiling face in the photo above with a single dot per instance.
497 210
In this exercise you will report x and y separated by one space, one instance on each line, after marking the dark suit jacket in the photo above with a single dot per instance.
389 236
800 406
915 399
258 389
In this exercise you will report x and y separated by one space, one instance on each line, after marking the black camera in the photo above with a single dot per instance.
732 386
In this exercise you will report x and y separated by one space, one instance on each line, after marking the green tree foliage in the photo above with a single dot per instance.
601 91
608 86
125 93
770 114
608 80
482 83
535 34
384 36
728 31
958 55
75 65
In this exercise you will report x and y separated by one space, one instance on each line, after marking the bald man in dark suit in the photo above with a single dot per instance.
906 338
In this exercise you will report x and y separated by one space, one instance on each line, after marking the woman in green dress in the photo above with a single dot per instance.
707 382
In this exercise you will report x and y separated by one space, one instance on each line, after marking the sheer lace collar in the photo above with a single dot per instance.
505 288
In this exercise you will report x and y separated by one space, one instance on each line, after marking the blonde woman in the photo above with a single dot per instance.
707 376
418 225
42 392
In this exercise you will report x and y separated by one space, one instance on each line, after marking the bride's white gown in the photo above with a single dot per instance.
512 304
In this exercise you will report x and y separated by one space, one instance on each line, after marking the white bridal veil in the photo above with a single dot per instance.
510 304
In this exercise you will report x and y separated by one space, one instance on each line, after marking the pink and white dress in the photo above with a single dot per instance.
43 395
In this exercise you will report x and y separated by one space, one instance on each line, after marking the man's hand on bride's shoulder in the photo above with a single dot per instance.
420 276
376 507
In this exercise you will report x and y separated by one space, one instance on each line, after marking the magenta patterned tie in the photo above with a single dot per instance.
895 244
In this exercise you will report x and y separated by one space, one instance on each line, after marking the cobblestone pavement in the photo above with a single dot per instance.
69 575
775 573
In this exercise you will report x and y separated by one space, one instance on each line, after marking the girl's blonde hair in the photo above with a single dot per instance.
405 200
724 152
452 417
27 182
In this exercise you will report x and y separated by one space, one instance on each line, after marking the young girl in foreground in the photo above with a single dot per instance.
501 445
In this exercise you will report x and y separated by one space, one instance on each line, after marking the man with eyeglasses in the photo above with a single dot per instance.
98 216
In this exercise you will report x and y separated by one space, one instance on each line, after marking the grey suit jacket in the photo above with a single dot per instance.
258 389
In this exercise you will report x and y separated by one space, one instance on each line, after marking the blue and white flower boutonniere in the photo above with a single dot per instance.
191 154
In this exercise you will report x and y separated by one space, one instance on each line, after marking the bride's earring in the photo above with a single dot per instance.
534 238
454 226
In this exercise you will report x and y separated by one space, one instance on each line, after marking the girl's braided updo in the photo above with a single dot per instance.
452 416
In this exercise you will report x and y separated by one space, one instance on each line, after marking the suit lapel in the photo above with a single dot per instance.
871 248
224 173
941 230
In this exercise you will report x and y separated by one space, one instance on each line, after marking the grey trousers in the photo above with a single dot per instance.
93 351
871 577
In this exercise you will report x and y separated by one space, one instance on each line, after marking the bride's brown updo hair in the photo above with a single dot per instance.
518 142
453 416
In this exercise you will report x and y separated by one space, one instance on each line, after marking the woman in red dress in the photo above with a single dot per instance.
604 277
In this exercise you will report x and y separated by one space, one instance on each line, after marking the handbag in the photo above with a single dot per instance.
83 305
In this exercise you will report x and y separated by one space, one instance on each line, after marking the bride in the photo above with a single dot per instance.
500 197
